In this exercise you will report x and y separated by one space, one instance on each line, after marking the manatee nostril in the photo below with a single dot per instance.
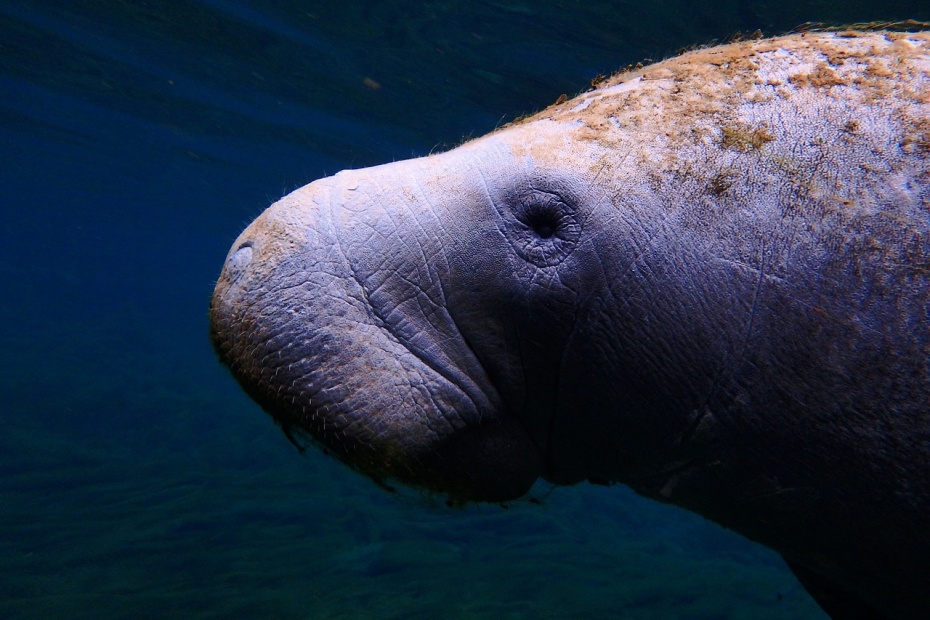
239 260
242 256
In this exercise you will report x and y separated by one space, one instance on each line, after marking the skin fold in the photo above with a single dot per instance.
706 279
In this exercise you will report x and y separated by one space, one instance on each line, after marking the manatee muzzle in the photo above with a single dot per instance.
304 346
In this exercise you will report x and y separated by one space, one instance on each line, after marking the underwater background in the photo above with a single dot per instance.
137 138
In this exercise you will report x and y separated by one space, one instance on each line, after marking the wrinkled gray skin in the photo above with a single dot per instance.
707 280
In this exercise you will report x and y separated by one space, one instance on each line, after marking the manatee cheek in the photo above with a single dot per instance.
494 461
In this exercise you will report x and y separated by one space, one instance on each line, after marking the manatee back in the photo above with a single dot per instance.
789 180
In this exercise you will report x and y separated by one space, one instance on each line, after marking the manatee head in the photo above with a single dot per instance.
417 318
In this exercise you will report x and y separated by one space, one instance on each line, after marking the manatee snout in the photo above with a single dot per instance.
295 321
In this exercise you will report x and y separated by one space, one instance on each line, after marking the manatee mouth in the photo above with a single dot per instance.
492 460
309 355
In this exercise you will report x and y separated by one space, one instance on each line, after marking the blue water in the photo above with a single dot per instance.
136 140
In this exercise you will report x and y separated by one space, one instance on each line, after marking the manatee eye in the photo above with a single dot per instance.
543 221
544 227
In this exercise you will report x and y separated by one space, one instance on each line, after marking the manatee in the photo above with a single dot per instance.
706 279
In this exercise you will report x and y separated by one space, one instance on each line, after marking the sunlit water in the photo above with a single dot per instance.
137 139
